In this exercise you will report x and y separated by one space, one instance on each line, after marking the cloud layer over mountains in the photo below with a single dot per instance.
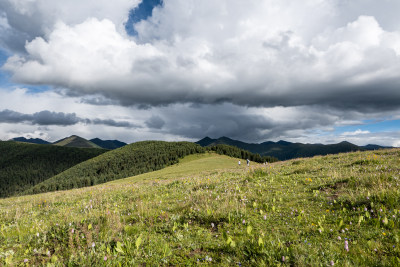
335 57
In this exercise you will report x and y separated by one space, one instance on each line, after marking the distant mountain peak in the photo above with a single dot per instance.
76 141
108 144
282 142
31 140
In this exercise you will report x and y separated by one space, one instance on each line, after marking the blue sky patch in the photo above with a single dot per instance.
371 126
142 12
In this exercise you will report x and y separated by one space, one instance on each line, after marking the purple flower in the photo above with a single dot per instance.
26 260
243 221
105 258
346 245
283 258
332 263
265 217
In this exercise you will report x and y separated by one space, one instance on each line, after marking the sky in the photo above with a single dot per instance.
312 71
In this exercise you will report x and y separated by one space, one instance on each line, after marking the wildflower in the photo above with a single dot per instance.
332 263
346 245
243 221
212 225
72 231
93 245
37 234
283 258
105 258
384 233
265 217
25 260
339 238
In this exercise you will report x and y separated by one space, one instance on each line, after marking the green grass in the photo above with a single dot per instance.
207 210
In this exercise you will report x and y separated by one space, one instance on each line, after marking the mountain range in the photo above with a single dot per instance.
75 141
281 150
286 150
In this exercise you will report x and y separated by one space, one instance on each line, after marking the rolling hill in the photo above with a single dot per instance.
337 210
136 158
75 141
133 159
25 165
286 150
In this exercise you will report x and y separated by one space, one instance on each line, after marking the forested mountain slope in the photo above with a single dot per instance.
24 165
126 161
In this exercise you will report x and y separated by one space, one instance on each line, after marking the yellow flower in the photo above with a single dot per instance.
384 233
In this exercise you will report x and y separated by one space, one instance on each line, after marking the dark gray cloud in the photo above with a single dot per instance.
9 116
155 122
47 118
40 118
54 118
114 123
248 124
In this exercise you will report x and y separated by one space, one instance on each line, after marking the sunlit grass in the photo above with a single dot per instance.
340 209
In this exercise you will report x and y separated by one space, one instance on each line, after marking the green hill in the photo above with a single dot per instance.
340 210
25 165
129 160
75 141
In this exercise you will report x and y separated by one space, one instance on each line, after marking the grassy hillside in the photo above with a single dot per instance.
340 210
129 160
25 165
75 141
236 152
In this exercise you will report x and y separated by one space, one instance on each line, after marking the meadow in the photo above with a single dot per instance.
341 210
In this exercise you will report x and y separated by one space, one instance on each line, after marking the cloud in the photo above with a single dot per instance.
40 118
355 133
262 54
113 123
155 122
260 70
46 118
27 20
